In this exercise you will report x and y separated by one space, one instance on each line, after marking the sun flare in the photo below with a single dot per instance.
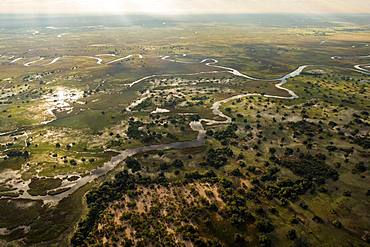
183 7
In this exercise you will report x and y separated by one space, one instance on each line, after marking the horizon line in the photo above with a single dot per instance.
184 14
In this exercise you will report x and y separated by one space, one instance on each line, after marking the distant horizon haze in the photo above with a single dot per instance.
177 7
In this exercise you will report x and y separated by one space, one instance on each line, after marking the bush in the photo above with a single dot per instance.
178 164
310 167
291 235
73 162
264 226
218 157
265 241
133 164
336 223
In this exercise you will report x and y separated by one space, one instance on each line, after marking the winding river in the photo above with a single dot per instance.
196 126
32 62
54 60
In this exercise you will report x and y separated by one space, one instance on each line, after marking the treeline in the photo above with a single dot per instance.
196 226
98 200
313 168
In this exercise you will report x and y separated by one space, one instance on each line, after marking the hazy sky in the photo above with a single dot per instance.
184 6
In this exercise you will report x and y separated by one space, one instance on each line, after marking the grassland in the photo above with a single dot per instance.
284 171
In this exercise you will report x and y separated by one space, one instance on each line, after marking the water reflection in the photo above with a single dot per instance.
60 100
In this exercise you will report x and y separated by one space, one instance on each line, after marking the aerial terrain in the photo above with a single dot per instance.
209 130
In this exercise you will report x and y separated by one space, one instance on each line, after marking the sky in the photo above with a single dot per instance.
183 6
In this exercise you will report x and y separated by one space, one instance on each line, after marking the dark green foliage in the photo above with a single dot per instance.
144 104
161 179
264 226
301 242
40 186
18 154
265 241
270 174
317 219
310 167
305 127
238 216
294 221
239 240
135 132
303 205
177 164
288 189
98 200
164 166
73 162
347 193
337 224
208 176
364 142
360 167
331 148
133 129
218 157
236 210
226 134
195 117
236 172
204 97
292 234
133 164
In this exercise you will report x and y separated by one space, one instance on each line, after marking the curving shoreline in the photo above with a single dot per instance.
360 67
35 61
98 59
54 61
124 58
196 126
